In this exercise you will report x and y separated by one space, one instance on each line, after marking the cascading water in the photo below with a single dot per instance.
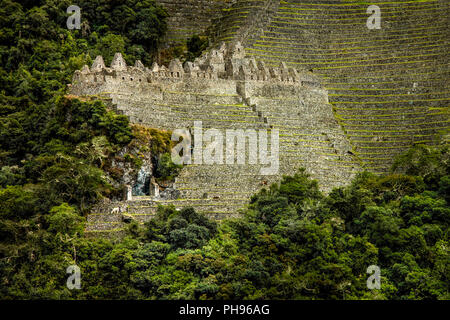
141 187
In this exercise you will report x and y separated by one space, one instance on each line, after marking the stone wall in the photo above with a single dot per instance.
189 17
225 63
224 90
388 87
368 94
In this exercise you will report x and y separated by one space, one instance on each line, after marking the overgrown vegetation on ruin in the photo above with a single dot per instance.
293 242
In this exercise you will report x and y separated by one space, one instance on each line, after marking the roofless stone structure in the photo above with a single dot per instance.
382 91
224 90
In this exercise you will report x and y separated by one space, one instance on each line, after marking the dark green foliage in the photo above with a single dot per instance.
165 168
292 242
184 229
427 162
56 144
65 220
16 202
52 147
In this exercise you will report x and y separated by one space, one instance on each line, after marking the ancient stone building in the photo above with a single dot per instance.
366 96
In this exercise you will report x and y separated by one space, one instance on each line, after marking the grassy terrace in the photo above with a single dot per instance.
190 17
388 88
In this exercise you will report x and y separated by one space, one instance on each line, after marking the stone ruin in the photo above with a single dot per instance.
227 62
224 89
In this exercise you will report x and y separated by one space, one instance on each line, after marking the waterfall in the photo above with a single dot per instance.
141 187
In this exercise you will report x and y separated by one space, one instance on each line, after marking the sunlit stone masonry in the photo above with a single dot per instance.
224 90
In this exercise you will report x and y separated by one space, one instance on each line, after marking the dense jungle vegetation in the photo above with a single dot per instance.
292 242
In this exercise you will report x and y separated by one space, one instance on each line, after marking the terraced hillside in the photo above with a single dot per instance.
255 98
217 190
189 17
242 19
221 20
389 87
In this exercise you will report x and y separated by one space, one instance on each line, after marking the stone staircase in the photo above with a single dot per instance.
387 90
218 190
241 20
309 136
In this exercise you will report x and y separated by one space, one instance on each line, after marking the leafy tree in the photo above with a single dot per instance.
291 242
65 220
165 168
195 46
